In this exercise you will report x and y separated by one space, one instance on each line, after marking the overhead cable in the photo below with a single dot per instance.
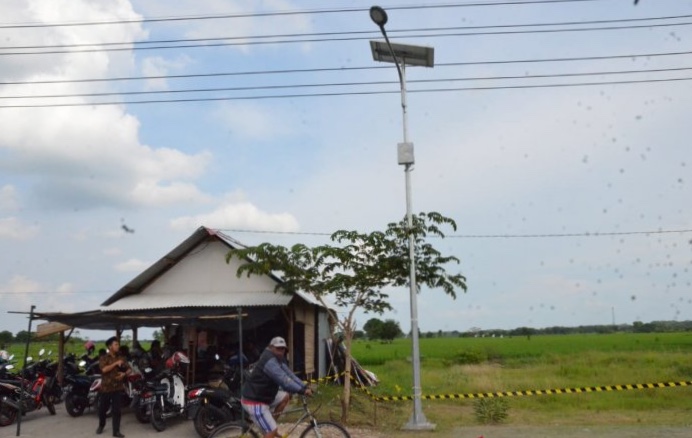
287 13
350 93
359 32
488 236
344 84
344 39
339 69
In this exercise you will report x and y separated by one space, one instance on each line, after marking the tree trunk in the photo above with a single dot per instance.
346 395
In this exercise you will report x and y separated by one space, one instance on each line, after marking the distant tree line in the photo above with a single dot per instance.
7 338
375 329
636 327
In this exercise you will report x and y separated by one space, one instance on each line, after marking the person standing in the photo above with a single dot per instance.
114 368
269 385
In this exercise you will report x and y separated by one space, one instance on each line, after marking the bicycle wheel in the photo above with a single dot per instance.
233 430
325 429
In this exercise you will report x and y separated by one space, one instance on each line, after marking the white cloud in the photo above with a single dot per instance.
151 193
248 121
8 198
159 66
238 215
13 228
112 251
132 265
83 157
65 289
238 27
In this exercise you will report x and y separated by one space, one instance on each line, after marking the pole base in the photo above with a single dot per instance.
420 423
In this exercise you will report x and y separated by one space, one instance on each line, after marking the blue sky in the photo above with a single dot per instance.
530 175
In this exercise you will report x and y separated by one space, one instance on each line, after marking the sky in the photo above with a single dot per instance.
572 201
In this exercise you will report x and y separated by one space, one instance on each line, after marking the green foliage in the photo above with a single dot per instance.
467 357
491 410
372 328
385 330
22 336
158 336
356 272
518 351
6 337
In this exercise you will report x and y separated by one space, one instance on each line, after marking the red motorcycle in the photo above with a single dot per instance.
22 396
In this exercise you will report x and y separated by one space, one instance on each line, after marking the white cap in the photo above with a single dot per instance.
278 342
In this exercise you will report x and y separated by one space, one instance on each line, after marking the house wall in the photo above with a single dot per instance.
304 314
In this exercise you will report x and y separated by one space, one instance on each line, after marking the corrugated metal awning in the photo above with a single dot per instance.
192 299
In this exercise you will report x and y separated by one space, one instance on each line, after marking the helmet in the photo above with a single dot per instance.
89 345
177 358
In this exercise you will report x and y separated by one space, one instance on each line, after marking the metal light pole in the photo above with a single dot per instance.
401 55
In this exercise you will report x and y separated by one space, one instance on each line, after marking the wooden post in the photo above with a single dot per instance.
291 359
61 358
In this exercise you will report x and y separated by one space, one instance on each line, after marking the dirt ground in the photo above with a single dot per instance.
41 425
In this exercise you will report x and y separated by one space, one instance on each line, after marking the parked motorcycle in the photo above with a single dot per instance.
53 390
81 392
140 387
210 407
20 396
7 414
170 395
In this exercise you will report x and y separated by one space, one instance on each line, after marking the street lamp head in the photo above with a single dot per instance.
378 16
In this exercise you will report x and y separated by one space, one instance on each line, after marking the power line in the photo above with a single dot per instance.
488 236
351 93
345 84
347 39
335 69
287 13
360 32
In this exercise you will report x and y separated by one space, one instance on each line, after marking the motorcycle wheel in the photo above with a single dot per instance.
142 413
74 405
208 418
49 403
157 419
7 414
55 393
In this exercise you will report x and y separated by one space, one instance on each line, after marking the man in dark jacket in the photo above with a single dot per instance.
268 387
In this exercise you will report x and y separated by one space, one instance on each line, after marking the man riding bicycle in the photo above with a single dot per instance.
268 386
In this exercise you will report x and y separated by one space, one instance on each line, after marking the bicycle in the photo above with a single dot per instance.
315 428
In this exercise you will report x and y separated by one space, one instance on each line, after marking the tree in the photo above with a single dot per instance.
390 330
354 274
6 337
158 336
373 328
22 336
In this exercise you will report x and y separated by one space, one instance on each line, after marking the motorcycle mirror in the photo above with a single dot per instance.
29 359
148 370
9 367
82 363
216 356
11 357
41 351
50 352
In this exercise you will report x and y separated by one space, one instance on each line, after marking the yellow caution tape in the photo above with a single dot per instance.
583 390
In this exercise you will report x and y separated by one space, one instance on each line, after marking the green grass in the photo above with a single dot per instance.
474 365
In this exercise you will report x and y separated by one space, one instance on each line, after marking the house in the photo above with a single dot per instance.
198 300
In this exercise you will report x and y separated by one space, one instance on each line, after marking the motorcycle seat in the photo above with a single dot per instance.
218 394
161 389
